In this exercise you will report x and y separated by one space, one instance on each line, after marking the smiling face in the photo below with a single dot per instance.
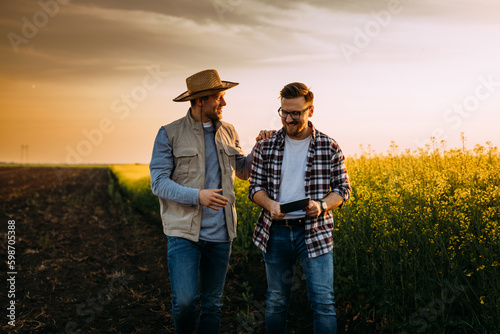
296 128
212 107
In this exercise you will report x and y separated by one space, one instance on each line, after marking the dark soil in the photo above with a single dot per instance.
87 263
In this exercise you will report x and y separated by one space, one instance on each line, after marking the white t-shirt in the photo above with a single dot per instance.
293 173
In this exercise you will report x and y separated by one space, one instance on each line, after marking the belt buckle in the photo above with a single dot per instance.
296 222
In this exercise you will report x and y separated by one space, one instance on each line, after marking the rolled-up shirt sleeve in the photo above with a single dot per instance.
339 176
161 168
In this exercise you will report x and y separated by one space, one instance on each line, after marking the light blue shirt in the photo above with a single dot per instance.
213 222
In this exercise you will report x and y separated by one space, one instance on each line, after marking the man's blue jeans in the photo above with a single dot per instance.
284 246
197 267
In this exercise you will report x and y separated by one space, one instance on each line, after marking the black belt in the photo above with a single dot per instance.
290 222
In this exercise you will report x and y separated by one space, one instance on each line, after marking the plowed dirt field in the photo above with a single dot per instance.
87 264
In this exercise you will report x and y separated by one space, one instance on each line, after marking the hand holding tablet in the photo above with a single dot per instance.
295 205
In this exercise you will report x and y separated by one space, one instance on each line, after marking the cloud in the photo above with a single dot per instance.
92 51
115 38
89 41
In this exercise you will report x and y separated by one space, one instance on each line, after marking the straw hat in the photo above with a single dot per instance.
203 83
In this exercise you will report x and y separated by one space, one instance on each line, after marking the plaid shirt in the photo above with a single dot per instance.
325 173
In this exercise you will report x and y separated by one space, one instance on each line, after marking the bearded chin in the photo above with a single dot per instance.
216 117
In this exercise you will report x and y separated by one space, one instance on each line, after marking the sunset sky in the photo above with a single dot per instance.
93 81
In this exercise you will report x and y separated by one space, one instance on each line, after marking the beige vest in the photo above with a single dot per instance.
187 139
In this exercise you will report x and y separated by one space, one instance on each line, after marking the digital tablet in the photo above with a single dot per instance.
295 205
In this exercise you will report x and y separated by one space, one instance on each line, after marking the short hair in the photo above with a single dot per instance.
296 89
193 101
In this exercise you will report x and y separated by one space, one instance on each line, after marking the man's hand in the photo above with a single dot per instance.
211 199
275 210
261 198
313 209
265 135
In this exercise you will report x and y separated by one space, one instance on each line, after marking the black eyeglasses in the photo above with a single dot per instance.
294 114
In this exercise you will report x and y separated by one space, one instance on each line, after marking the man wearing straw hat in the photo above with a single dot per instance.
193 165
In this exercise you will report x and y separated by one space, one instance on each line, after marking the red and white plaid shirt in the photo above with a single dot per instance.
325 172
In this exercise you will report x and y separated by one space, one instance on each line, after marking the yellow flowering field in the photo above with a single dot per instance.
131 173
416 247
131 186
419 241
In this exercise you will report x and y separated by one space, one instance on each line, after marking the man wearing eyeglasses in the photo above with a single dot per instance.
298 162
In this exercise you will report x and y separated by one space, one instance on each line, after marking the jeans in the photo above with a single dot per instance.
197 269
284 246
